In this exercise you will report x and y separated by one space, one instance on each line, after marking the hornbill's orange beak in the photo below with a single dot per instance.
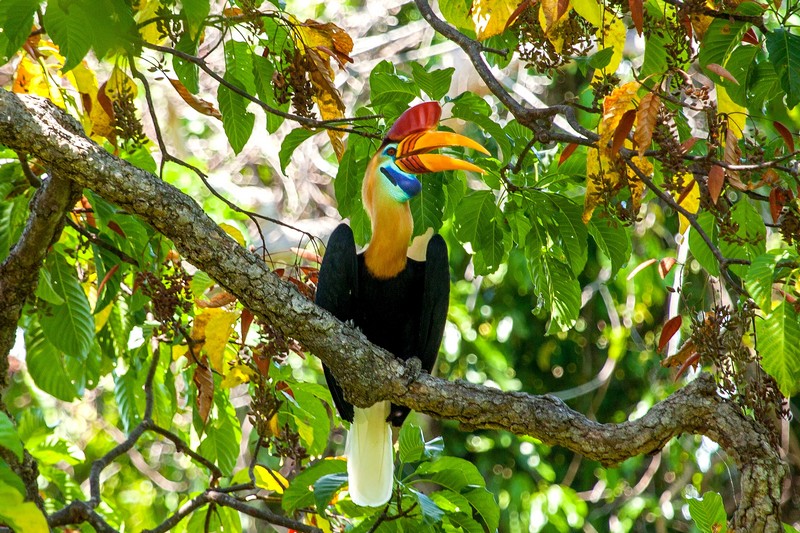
412 152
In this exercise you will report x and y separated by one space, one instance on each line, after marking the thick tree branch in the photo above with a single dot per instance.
368 373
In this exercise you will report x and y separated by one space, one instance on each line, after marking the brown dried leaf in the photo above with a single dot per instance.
220 299
198 104
732 152
637 15
204 381
784 132
328 39
246 321
623 129
525 4
553 11
641 266
719 70
778 198
669 330
326 96
665 265
646 120
716 179
679 358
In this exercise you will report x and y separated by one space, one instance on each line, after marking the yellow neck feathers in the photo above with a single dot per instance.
392 226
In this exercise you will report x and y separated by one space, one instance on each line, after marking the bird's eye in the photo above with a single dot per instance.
391 151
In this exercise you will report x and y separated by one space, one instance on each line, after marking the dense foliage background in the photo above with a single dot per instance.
573 272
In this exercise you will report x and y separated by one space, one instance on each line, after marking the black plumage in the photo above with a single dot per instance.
405 314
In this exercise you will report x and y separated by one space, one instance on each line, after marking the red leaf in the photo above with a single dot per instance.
566 153
113 226
788 138
688 144
247 319
778 197
637 15
716 179
107 277
691 360
519 11
665 265
640 267
623 129
750 38
204 381
669 330
719 70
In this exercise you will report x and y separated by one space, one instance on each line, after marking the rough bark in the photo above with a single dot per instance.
369 374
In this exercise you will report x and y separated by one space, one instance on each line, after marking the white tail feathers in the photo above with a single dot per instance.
370 458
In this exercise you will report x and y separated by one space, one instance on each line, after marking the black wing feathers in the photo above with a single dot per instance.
337 289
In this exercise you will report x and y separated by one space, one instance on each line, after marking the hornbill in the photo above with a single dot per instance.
399 303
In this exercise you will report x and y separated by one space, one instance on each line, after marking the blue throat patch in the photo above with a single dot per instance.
406 186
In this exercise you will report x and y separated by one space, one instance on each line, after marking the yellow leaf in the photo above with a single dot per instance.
119 85
601 178
591 10
490 16
21 516
198 104
689 199
611 34
233 232
146 11
551 12
326 97
214 327
555 38
614 106
237 375
269 479
178 351
736 113
30 79
646 120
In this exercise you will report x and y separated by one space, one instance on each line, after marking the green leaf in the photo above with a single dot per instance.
10 479
431 513
708 512
311 413
700 250
474 214
427 207
21 516
54 450
16 19
71 29
463 522
602 58
347 185
298 494
721 37
46 365
324 489
411 443
759 278
790 529
239 65
472 108
236 120
452 472
263 71
290 143
458 13
68 327
195 12
128 394
435 83
784 55
391 89
779 345
112 26
614 241
558 291
8 436
742 66
751 236
655 55
45 290
485 505
569 229
188 73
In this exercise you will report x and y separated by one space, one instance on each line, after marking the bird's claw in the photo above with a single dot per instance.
413 368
